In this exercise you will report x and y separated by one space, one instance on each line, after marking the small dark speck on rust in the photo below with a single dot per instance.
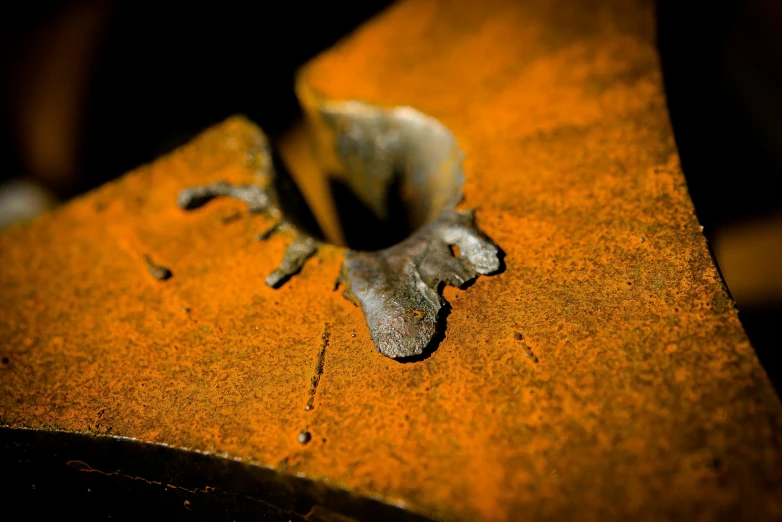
159 272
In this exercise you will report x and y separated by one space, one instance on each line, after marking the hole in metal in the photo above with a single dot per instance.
389 171
394 178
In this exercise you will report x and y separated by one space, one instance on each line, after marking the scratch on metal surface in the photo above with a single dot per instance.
82 466
296 254
319 364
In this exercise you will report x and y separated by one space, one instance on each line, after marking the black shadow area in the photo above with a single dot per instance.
722 73
66 476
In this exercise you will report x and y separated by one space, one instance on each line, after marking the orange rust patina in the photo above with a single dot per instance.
603 375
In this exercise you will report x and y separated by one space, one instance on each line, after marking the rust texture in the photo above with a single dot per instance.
603 375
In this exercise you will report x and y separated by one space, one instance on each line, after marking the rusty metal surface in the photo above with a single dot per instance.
603 375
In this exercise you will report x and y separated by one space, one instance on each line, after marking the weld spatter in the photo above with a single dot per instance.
255 196
296 254
259 200
381 151
397 288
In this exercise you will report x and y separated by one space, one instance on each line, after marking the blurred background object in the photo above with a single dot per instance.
23 199
749 254
93 89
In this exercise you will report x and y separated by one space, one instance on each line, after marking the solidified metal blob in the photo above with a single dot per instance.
296 254
397 288
382 151
258 200
256 197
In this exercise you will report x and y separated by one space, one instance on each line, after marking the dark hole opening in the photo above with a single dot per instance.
361 227
399 169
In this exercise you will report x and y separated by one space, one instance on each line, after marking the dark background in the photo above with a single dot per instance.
91 89
722 68
150 76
